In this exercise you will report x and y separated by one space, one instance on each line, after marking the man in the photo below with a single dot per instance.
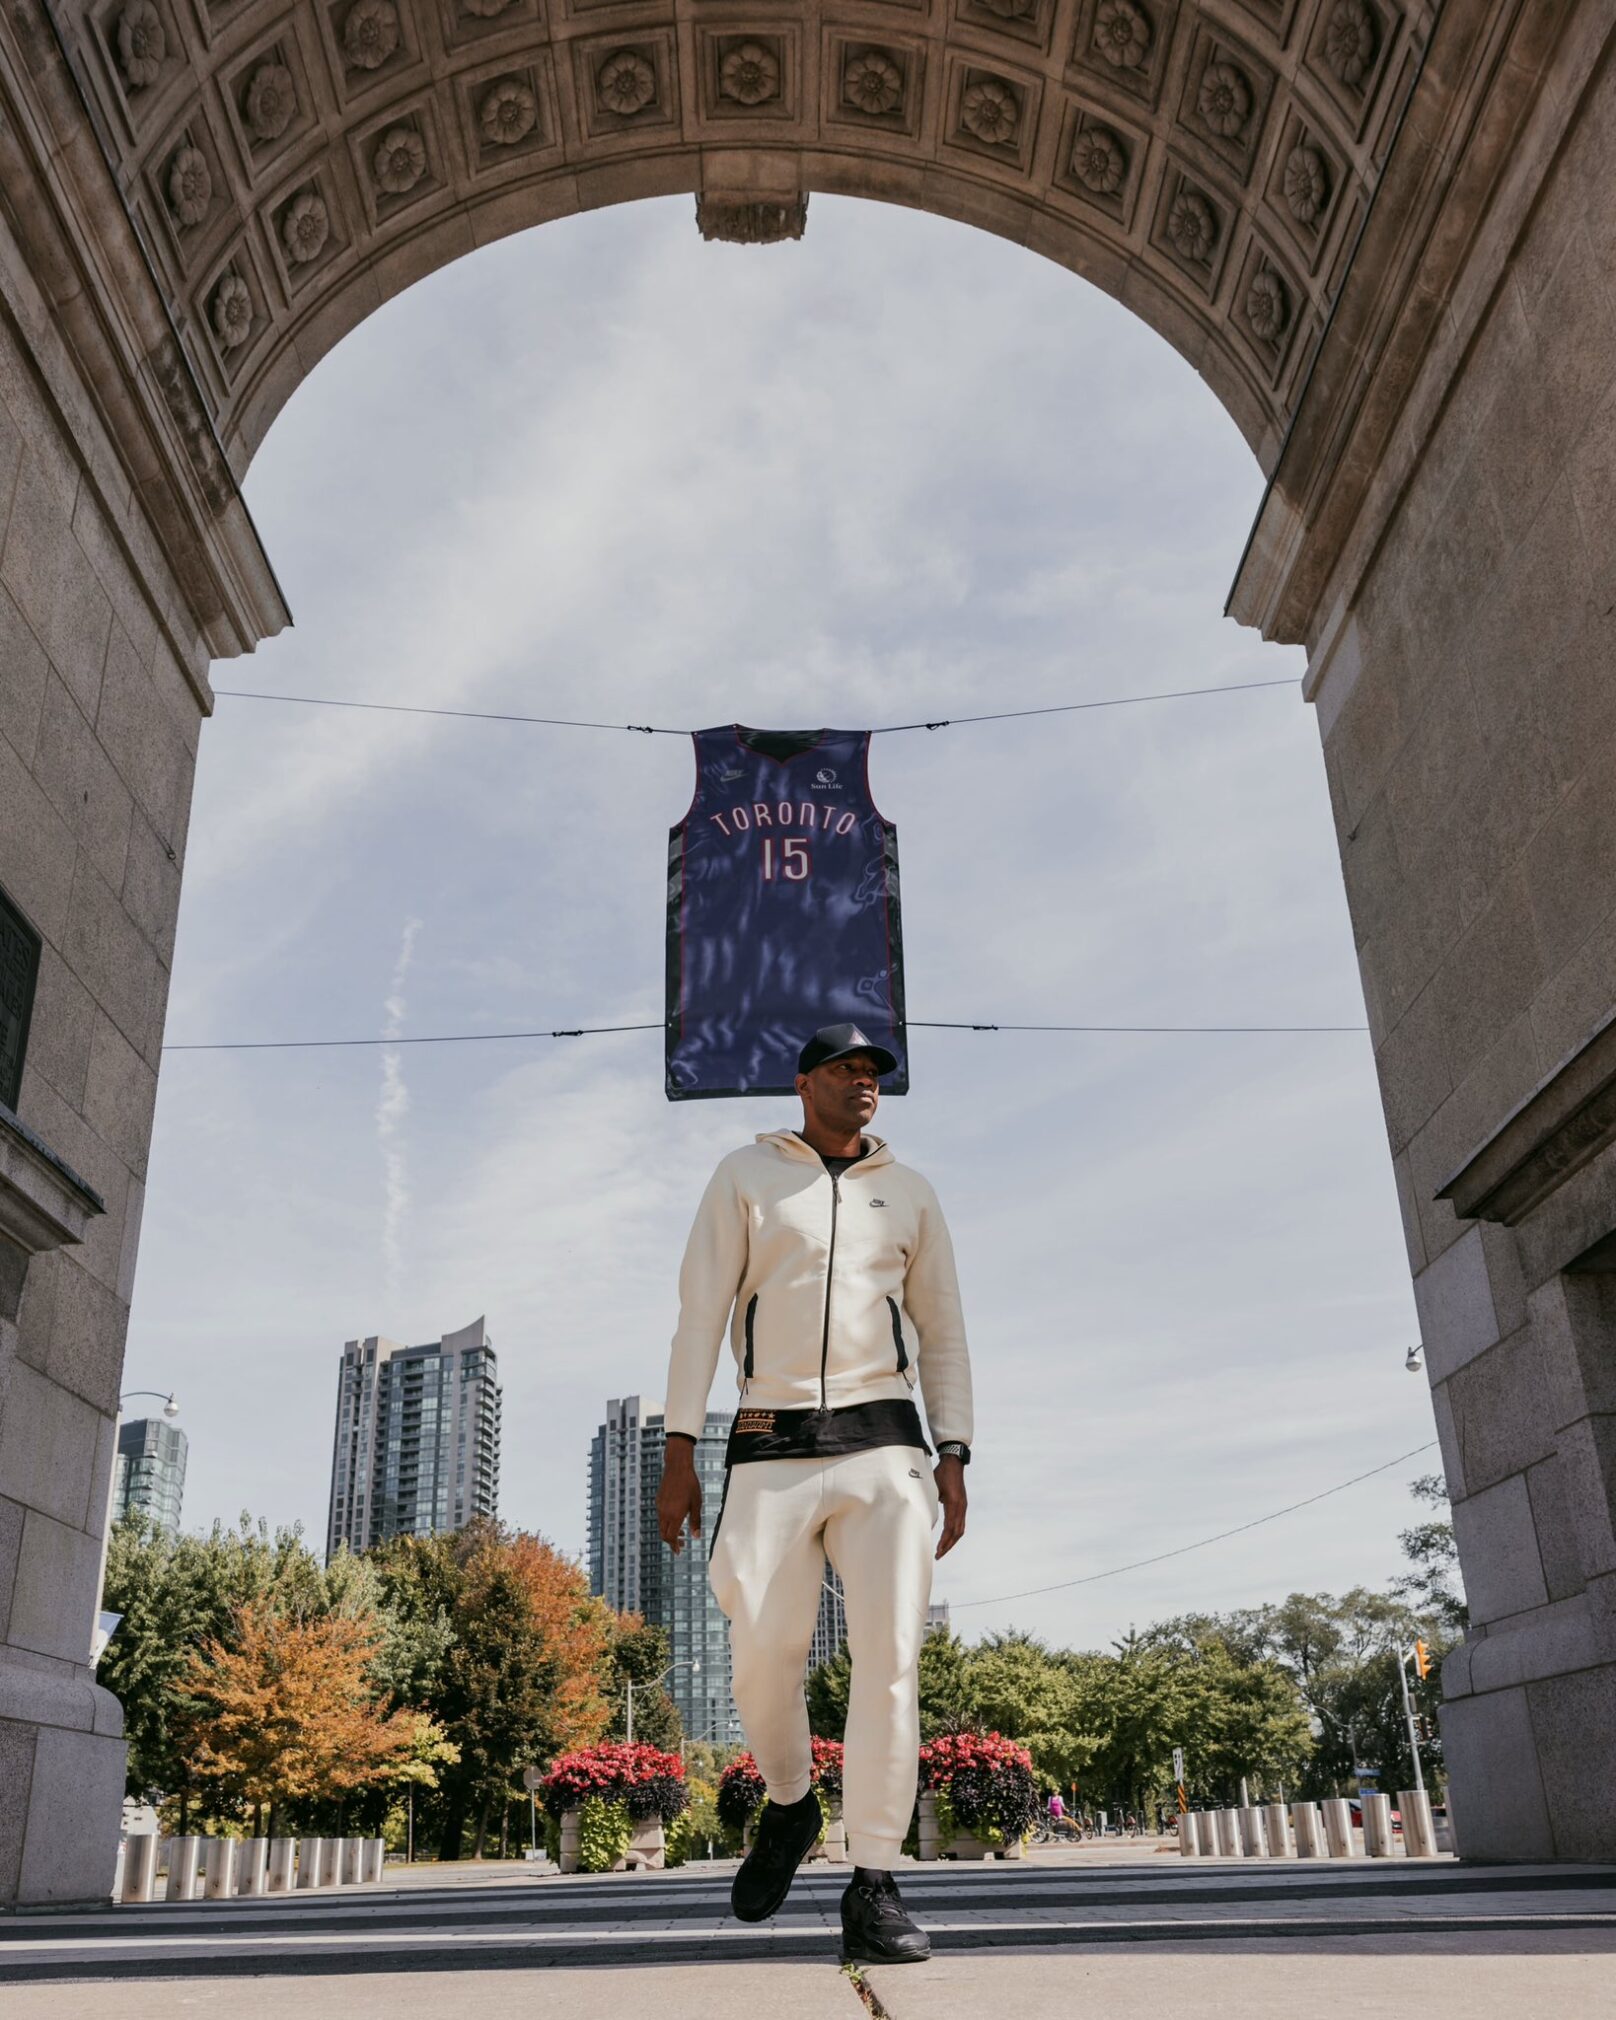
832 1266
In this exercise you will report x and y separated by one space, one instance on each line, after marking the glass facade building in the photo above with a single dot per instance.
150 1474
417 1438
830 1630
633 1570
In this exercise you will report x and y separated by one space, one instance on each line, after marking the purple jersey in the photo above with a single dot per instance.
782 911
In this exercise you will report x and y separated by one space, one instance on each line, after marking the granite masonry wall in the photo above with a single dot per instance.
1470 739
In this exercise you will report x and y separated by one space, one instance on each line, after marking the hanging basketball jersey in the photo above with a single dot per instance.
782 911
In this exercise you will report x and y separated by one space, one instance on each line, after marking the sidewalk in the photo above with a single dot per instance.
1092 1932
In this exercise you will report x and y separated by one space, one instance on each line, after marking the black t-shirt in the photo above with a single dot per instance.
837 1165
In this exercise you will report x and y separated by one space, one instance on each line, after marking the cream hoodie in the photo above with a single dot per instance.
835 1292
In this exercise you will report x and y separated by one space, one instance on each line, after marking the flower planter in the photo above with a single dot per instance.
1000 1790
647 1849
831 1844
590 1792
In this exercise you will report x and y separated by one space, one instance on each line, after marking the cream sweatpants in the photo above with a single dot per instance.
871 1513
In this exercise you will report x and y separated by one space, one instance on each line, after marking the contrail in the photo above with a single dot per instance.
392 1107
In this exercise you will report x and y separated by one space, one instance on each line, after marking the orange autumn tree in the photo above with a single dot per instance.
289 1711
578 1629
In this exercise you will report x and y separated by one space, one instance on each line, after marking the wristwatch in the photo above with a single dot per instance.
953 1449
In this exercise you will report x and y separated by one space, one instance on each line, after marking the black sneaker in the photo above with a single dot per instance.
875 1928
785 1834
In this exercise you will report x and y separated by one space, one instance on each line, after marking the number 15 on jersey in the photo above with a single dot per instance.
790 857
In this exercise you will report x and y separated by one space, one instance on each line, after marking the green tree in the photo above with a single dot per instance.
1432 1585
640 1653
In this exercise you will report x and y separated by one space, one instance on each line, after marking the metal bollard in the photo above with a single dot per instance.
1338 1828
1253 1841
282 1864
1279 1830
182 1869
1188 1844
139 1868
1378 1842
250 1855
1309 1828
309 1856
1228 1833
1419 1827
219 1868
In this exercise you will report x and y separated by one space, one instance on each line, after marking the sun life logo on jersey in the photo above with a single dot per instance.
824 779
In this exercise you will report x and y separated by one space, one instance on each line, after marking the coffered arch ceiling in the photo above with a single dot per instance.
291 164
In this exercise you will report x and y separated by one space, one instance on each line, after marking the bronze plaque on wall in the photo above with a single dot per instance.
19 971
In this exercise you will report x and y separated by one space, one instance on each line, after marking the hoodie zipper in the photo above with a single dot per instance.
830 1271
897 1338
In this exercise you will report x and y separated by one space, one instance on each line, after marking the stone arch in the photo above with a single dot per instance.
288 169
1436 411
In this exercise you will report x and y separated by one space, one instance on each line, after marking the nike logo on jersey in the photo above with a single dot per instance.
878 1202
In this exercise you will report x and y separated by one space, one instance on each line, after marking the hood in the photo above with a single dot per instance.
791 1144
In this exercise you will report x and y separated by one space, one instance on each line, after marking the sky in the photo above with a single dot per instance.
898 470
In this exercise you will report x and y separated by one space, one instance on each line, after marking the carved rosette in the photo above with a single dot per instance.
1268 306
190 186
1192 226
873 83
271 102
399 161
1224 100
231 312
305 228
370 33
1098 161
625 84
141 43
990 111
1349 42
508 113
749 74
1122 33
1306 184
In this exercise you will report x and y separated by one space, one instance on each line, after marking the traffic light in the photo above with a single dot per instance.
1422 1659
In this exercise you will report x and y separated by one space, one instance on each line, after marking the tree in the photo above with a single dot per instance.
1433 1585
288 1711
1017 1688
640 1654
177 1592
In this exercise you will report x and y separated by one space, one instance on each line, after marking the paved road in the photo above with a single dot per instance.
1050 1936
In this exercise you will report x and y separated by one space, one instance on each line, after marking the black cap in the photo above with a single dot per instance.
836 1041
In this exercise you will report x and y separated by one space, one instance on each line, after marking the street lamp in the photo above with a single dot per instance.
1415 1358
171 1408
693 1663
